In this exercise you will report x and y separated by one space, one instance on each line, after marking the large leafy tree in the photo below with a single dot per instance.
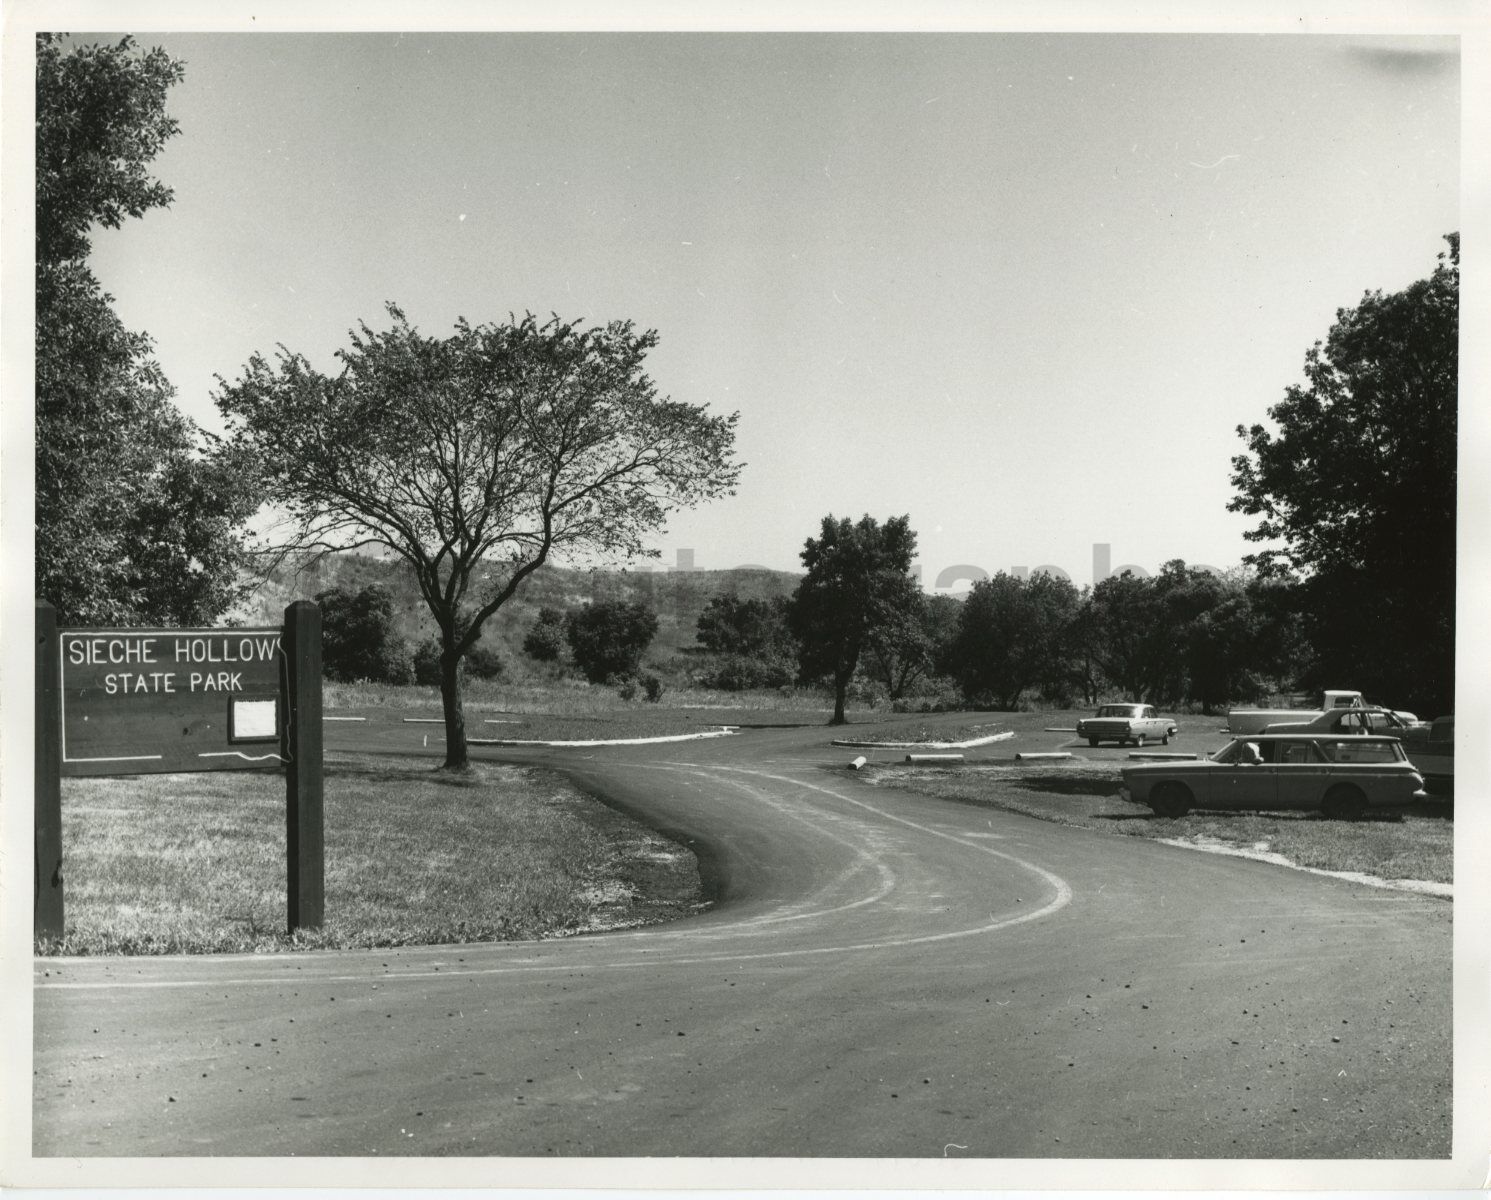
475 456
1355 489
1011 636
858 582
133 523
907 648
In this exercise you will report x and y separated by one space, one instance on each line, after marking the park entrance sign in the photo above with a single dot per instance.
138 701
147 700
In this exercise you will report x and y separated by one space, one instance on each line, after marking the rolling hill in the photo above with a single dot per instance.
677 596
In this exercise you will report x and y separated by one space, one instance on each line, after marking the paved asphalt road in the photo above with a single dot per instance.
883 974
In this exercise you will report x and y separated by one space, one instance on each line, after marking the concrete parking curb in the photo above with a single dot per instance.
969 744
673 737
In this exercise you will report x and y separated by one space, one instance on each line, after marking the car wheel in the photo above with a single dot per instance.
1093 741
1344 802
1165 740
1139 742
1170 800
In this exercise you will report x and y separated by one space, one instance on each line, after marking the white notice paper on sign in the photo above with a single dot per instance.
254 719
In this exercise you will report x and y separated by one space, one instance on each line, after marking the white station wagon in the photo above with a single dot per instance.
1342 775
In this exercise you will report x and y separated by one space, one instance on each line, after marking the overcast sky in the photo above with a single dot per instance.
1022 287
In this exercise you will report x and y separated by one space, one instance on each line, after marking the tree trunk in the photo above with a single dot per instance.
455 714
841 688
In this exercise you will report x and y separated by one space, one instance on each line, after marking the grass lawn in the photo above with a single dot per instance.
164 864
1419 846
570 698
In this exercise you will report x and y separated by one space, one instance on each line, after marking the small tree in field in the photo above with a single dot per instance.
358 640
607 639
544 640
858 582
476 456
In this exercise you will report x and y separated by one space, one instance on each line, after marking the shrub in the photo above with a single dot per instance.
358 639
627 688
482 662
545 639
427 663
866 692
730 625
607 638
739 672
653 686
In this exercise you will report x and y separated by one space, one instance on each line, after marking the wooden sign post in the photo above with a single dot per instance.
137 701
304 839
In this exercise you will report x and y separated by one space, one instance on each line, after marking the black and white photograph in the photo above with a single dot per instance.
691 597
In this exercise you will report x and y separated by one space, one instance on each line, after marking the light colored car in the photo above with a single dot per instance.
1121 723
1349 720
1342 775
1431 749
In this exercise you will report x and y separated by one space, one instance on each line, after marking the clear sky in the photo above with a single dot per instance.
1022 287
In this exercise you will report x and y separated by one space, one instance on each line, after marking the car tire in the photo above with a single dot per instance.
1164 739
1170 800
1344 802
1093 741
1139 742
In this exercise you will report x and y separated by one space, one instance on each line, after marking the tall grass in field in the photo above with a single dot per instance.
195 863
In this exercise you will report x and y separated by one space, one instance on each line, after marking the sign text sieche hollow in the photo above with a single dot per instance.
148 700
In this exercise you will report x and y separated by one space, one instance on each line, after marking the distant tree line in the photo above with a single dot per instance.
860 627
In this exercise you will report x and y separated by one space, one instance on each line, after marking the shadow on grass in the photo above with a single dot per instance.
1068 785
1243 814
417 772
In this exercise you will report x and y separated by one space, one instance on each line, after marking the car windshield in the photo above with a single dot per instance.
1119 710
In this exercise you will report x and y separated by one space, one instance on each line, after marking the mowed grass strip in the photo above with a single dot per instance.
168 864
1417 846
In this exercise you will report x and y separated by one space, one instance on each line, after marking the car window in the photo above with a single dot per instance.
1361 751
1297 752
1228 754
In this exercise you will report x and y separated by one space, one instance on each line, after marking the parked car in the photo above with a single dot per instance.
1242 721
1431 749
1256 720
1350 720
1342 775
1121 723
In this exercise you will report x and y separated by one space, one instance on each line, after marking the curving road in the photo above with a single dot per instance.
883 974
